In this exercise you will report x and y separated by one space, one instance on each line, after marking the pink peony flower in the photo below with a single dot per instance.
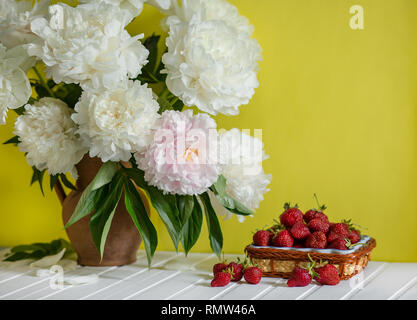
182 159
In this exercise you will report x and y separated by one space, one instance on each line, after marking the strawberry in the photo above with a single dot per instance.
332 236
327 275
354 236
340 244
315 213
302 276
253 275
337 230
283 239
340 228
316 240
319 224
236 270
300 231
221 279
262 238
291 215
219 267
299 278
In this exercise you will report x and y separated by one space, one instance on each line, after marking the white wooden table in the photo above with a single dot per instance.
164 281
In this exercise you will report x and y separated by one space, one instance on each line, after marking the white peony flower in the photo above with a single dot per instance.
210 10
211 65
15 19
88 45
241 156
182 159
48 137
163 5
133 7
15 89
113 124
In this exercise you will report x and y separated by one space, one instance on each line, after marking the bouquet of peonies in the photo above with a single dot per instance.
94 88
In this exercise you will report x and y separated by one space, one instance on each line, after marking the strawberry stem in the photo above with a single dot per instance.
320 207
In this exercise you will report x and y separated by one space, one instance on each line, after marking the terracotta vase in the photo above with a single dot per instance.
123 238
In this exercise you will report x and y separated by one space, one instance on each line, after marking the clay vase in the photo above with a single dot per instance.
123 239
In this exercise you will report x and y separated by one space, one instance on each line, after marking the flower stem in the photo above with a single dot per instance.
43 82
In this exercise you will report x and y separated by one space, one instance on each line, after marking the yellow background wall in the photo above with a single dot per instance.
338 113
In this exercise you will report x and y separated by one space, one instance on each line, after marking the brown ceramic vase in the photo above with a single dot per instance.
123 239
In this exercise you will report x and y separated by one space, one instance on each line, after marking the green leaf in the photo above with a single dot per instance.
220 185
38 177
215 231
101 219
66 182
21 110
69 93
29 248
192 228
41 91
177 105
232 205
137 211
14 140
87 201
18 256
165 205
151 43
185 206
39 250
164 105
53 179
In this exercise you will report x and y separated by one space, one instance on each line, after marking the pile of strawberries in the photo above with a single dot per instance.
327 274
310 230
234 271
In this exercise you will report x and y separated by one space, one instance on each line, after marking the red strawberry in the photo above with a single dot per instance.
340 244
253 275
291 215
340 228
262 238
302 277
354 236
299 278
221 279
300 231
219 267
283 239
316 240
319 224
327 275
236 270
315 213
332 236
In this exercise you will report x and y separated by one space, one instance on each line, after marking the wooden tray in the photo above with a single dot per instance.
279 263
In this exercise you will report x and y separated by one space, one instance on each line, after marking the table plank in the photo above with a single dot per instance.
178 282
387 283
174 277
410 294
345 288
